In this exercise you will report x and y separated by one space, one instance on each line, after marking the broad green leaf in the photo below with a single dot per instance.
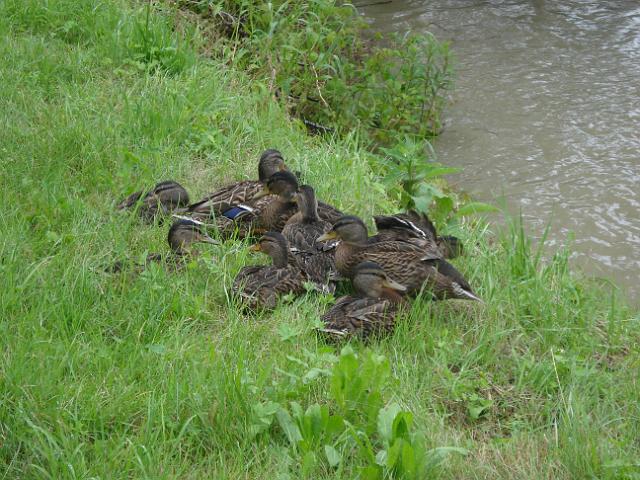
262 416
334 426
430 189
314 417
386 417
372 407
333 456
393 453
477 408
408 457
437 455
435 172
422 203
371 473
288 426
266 409
444 206
381 458
475 207
313 374
308 463
402 424
296 409
286 332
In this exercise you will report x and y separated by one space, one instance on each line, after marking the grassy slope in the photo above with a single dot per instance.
154 376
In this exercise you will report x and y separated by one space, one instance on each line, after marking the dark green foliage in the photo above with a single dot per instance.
317 58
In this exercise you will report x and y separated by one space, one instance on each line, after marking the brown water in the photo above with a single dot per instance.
546 114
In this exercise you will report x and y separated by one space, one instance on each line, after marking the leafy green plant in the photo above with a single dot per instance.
415 181
313 433
403 453
328 73
351 423
357 382
153 45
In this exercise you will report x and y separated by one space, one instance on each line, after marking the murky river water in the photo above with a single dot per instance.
546 114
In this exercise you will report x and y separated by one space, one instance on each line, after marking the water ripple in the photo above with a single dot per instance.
547 101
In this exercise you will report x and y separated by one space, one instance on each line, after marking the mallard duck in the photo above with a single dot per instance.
411 227
267 211
164 198
235 199
262 285
373 312
274 215
304 227
410 264
302 231
182 235
282 184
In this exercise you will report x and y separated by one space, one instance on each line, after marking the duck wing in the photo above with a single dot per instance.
227 197
448 282
329 213
319 268
404 262
303 235
360 317
261 286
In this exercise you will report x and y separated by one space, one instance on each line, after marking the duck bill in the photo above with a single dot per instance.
330 235
474 297
465 294
207 239
262 193
255 248
393 285
283 167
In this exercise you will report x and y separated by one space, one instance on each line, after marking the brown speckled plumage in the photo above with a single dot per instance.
413 265
241 192
162 199
414 227
373 312
261 286
302 230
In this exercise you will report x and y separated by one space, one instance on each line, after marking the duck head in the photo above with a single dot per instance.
170 194
183 233
284 184
348 228
270 162
307 203
275 245
371 280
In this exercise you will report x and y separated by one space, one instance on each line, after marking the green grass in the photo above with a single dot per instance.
159 375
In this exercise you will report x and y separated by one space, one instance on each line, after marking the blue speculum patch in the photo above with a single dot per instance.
237 212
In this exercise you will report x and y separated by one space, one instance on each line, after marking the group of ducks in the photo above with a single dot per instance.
312 245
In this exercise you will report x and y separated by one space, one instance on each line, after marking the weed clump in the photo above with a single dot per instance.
350 425
318 60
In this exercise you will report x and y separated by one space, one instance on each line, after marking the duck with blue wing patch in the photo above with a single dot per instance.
226 200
